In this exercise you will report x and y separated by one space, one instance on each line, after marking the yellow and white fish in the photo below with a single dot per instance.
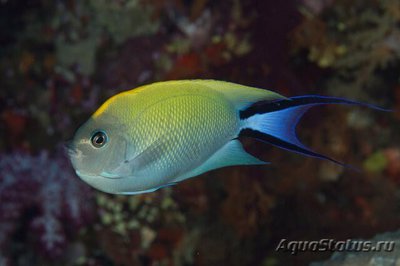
157 135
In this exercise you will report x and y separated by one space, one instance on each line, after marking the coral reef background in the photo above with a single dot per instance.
59 60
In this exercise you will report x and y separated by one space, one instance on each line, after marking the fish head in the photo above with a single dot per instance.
97 148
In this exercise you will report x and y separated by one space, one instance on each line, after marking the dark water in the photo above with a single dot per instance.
59 60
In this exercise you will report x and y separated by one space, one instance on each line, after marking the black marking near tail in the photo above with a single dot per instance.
247 132
267 107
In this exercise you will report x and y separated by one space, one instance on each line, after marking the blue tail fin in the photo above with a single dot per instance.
275 122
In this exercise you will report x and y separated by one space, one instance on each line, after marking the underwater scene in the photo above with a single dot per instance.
140 187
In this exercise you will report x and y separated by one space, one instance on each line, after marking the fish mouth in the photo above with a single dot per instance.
69 149
73 153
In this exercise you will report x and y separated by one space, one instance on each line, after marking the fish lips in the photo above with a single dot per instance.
70 149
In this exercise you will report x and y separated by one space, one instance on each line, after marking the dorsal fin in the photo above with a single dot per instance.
241 96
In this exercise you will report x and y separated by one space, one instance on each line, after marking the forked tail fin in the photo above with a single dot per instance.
275 122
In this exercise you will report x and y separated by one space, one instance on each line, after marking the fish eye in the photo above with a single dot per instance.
99 139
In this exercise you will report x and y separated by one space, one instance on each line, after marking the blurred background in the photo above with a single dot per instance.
59 60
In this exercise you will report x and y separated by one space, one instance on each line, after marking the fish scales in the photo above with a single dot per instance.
188 129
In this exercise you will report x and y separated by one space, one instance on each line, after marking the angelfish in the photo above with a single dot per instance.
159 134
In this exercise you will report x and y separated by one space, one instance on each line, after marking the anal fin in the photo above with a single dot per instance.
230 154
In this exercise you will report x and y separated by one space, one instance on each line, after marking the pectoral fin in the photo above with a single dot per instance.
135 163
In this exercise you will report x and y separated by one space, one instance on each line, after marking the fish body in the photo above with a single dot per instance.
159 134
